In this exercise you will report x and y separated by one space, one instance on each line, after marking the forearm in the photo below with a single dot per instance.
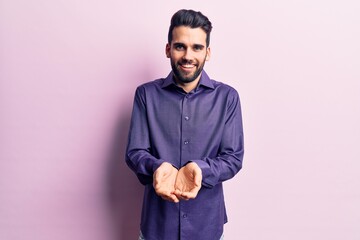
143 164
228 161
221 168
138 156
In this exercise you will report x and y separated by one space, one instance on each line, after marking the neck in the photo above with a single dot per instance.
188 87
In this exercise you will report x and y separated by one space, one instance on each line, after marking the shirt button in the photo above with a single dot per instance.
186 142
185 215
187 118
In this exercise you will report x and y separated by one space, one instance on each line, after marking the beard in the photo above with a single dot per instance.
186 77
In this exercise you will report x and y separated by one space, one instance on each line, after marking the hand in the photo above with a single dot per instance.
188 181
164 181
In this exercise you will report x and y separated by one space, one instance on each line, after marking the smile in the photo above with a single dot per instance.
187 67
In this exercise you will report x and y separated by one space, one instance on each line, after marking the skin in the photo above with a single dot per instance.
188 181
188 53
174 185
164 182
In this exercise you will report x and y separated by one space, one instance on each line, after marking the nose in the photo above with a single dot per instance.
188 55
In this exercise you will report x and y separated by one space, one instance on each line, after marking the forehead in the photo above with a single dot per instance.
188 35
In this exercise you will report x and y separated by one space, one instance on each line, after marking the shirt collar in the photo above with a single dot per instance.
204 80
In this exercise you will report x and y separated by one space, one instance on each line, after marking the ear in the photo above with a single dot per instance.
167 50
208 54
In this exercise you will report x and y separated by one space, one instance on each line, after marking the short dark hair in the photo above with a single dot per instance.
190 18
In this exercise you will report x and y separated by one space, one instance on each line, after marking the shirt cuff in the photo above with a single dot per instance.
157 164
206 173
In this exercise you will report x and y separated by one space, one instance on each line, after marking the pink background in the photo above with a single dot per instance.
68 71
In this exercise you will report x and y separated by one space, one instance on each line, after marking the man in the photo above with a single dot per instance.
185 139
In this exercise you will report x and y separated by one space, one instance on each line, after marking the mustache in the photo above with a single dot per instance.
186 61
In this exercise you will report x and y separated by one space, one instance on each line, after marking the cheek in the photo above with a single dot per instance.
202 57
175 57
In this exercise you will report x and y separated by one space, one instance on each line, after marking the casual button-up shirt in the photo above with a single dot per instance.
203 126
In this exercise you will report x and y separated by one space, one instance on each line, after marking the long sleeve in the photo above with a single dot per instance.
174 126
231 150
138 156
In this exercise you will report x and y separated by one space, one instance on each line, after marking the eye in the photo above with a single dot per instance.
198 47
179 47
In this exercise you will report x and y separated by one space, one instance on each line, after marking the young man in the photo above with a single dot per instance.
185 139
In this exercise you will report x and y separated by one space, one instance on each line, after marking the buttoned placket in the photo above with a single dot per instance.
186 141
185 130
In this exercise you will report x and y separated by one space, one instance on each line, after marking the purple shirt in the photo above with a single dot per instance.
203 126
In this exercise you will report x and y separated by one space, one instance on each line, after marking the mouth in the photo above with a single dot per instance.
187 67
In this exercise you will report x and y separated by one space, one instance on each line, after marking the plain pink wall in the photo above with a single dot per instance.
68 71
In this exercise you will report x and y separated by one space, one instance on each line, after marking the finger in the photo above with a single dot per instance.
188 195
184 195
171 198
180 196
191 194
177 192
183 198
167 195
174 198
163 192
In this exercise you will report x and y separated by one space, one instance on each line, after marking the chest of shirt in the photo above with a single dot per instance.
201 114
